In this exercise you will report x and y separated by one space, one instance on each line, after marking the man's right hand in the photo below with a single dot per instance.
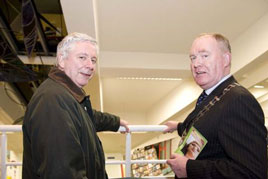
171 126
178 165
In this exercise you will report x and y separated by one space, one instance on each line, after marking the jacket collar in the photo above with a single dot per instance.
219 89
59 76
216 92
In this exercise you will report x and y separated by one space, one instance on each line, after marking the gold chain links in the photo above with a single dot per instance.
208 106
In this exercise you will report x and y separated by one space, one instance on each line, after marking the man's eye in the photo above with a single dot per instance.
94 60
204 56
192 57
82 58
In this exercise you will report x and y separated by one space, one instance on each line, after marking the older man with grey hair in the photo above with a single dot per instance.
60 127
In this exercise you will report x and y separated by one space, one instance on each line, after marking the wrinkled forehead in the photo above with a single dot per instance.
81 43
83 47
203 44
204 41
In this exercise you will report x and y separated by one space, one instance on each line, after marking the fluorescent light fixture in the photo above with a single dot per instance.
144 78
258 86
108 132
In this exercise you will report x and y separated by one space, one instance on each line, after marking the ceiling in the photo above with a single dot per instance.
151 38
143 34
169 26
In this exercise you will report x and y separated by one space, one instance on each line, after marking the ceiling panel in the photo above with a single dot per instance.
169 26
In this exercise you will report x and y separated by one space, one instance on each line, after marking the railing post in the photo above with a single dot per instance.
128 155
3 155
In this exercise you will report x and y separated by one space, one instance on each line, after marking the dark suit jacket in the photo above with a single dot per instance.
234 128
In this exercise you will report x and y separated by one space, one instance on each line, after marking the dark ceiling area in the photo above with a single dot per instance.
28 28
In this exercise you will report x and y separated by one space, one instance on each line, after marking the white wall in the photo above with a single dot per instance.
138 117
9 108
114 171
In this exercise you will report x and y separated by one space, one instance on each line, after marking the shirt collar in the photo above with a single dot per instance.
208 91
59 76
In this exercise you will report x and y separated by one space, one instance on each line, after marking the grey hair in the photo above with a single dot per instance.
68 42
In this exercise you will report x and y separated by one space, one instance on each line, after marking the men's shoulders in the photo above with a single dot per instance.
240 99
51 89
49 98
242 92
51 95
235 91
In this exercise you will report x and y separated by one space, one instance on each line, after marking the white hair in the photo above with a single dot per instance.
68 42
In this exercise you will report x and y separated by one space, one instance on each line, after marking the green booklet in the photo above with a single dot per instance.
192 144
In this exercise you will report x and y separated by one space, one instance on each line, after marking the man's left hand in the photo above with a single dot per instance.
124 124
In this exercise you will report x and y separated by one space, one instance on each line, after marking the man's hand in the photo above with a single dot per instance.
171 126
178 165
124 124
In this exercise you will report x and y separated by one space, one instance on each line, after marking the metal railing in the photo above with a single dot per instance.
128 162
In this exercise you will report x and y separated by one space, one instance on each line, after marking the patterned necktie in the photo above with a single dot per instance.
201 98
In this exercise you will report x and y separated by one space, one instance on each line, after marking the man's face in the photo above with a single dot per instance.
80 63
208 61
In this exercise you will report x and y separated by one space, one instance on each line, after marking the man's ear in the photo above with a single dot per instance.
61 62
227 59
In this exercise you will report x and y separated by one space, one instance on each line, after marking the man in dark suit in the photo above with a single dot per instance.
229 117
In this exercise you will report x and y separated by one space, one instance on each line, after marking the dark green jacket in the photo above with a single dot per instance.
59 132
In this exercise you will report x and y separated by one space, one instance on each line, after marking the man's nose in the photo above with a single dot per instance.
89 64
197 62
